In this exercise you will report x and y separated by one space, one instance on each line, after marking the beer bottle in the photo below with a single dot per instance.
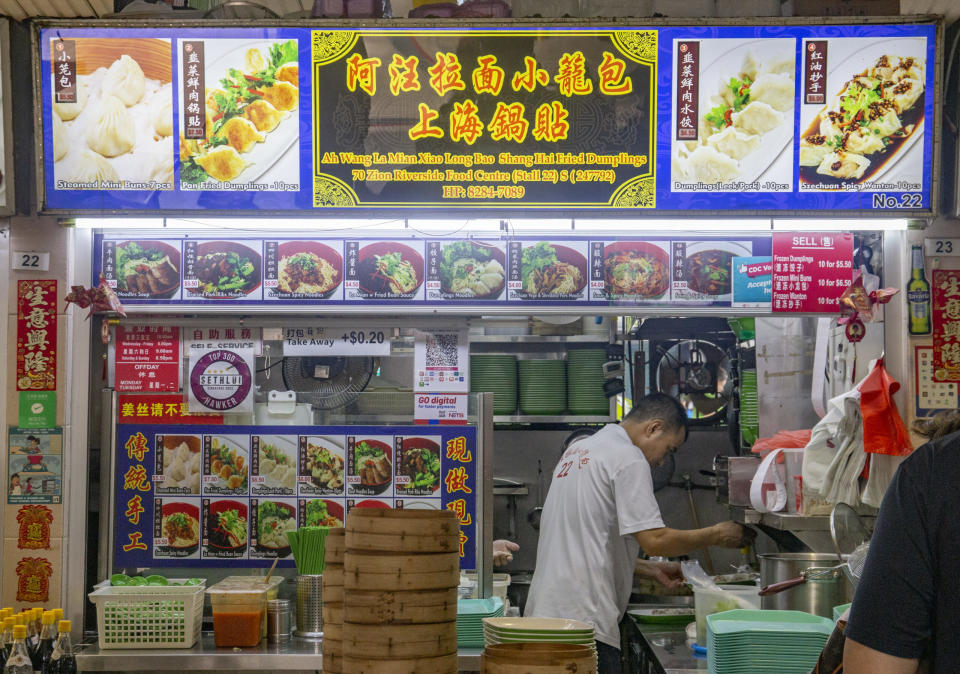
918 295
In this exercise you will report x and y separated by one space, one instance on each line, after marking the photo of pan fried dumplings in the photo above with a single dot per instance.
250 114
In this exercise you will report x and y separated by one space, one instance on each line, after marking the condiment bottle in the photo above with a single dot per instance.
33 638
62 660
6 639
19 660
48 636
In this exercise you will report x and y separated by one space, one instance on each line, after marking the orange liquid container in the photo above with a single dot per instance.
240 609
236 628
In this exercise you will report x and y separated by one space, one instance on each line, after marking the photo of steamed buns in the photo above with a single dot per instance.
118 133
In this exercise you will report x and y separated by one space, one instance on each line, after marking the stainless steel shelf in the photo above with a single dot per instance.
549 419
510 491
539 339
297 654
790 522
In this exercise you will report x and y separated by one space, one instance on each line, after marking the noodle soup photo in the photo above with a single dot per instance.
548 271
303 270
272 519
636 270
706 273
225 528
388 270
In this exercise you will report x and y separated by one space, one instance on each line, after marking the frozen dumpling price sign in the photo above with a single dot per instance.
221 377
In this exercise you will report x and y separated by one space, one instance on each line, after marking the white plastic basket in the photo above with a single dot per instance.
148 616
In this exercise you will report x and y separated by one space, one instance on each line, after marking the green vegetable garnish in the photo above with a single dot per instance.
119 580
157 580
539 256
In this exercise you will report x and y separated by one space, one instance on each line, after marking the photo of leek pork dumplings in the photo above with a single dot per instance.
868 125
117 133
275 470
745 122
251 123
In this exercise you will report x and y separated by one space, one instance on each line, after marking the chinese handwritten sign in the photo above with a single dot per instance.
484 118
37 335
688 89
65 70
946 325
194 96
815 72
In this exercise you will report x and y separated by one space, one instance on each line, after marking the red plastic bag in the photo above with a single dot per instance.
883 430
781 440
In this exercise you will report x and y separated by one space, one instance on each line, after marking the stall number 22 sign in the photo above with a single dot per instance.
30 261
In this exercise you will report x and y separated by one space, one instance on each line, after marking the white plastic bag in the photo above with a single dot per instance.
834 458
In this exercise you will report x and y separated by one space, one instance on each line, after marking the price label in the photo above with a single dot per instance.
329 342
942 247
257 479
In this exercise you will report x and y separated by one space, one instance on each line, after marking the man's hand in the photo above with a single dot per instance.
503 551
667 574
732 535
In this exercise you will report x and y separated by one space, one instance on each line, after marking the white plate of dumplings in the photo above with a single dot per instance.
263 147
761 132
278 475
181 469
118 134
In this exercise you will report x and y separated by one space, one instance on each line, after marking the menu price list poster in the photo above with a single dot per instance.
811 271
147 359
162 520
932 396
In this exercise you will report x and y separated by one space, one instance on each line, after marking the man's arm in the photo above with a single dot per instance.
666 542
860 659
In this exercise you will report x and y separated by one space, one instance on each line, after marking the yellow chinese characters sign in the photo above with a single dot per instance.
505 118
945 294
37 335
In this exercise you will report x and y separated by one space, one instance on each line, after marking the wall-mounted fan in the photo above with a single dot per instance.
699 374
328 382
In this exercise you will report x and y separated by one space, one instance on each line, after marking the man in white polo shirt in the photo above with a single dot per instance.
599 513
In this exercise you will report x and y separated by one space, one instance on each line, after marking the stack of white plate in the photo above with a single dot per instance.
547 630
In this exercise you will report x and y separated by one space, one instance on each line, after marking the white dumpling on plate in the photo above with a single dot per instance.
194 483
757 117
841 164
114 132
68 111
813 149
707 165
193 465
734 143
161 111
89 167
784 64
125 80
775 89
60 142
905 93
861 140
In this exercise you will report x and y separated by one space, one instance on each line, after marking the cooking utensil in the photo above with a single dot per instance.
818 596
533 517
847 530
852 567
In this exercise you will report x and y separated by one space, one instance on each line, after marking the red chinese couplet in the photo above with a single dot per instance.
946 324
148 359
37 335
811 271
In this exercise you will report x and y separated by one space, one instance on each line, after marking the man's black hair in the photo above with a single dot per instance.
663 407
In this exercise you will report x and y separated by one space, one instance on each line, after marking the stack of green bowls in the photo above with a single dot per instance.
543 386
585 373
496 374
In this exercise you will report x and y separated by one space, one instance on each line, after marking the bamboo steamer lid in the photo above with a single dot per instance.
333 631
332 575
332 655
332 594
445 664
332 613
443 579
335 544
381 642
402 614
403 542
401 522
398 565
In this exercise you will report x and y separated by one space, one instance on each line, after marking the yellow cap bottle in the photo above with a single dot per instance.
49 618
59 614
19 631
64 626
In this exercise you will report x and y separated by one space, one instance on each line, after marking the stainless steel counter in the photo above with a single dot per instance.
667 652
297 654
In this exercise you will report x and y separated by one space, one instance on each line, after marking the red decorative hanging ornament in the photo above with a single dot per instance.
859 304
100 299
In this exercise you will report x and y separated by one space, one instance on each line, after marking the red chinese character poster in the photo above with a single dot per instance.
148 359
946 324
811 271
37 335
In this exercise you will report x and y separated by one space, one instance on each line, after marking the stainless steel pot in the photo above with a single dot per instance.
816 595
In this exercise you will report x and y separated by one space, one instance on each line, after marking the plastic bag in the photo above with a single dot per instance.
782 440
883 429
834 457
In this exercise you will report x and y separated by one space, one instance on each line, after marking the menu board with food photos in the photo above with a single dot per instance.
373 121
227 495
533 272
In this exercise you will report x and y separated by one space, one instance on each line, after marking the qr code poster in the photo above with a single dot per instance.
441 361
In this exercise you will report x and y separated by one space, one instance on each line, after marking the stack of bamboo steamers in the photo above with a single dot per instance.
401 571
332 583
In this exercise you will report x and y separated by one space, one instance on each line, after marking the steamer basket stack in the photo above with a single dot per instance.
401 572
332 646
